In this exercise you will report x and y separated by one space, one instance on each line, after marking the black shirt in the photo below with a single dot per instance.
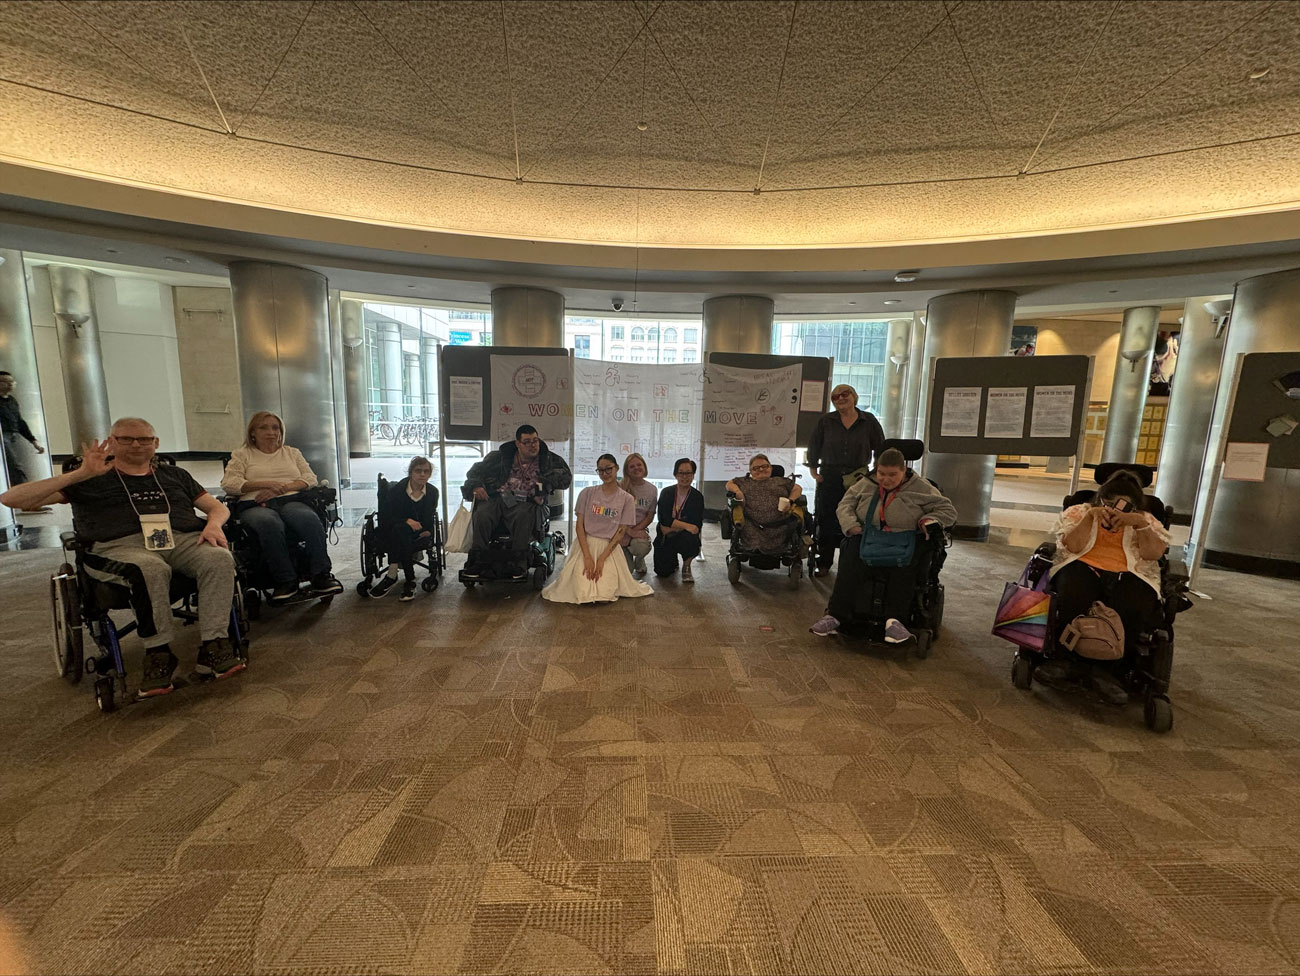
833 445
11 419
102 511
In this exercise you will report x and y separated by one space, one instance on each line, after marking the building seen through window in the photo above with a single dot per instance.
859 350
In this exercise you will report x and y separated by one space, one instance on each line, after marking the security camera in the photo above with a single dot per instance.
616 304
1219 314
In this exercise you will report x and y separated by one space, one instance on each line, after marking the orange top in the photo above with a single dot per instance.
1107 552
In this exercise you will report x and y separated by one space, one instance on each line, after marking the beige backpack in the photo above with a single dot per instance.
1097 634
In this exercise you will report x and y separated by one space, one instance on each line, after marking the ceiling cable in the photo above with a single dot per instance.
510 85
203 75
292 41
776 99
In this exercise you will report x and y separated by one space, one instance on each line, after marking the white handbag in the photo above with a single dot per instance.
458 533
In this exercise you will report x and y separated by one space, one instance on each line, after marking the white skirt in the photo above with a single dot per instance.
616 580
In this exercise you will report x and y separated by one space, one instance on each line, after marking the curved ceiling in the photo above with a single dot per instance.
730 126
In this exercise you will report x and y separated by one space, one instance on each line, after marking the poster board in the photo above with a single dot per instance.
977 404
467 371
815 370
1259 402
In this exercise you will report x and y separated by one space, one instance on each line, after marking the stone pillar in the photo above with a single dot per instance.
916 376
429 370
969 323
738 323
1255 526
282 333
356 377
390 370
1128 391
339 391
1191 404
527 317
18 356
84 385
896 362
413 386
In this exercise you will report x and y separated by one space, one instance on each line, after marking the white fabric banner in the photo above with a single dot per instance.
535 390
624 407
751 407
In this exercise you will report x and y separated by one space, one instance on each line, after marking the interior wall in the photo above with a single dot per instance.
137 335
205 334
1070 337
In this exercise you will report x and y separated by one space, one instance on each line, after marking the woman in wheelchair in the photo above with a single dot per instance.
266 474
407 523
1108 550
890 501
767 500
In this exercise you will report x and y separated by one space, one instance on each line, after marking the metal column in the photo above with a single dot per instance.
356 377
916 376
896 361
429 371
1191 404
413 386
969 323
738 323
390 370
282 333
18 356
339 389
1128 391
80 354
527 317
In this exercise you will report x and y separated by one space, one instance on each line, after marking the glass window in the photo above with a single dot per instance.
616 332
638 356
670 335
690 356
690 335
858 350
638 334
668 356
582 347
652 334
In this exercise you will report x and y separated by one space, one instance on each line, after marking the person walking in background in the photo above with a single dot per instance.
843 441
14 428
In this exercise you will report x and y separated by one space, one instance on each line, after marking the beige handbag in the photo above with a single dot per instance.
1097 634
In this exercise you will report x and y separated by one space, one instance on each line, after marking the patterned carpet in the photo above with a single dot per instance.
478 782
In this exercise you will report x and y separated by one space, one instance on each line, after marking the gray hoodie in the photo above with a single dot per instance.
916 498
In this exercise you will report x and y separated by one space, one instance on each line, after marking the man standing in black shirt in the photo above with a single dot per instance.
140 523
12 427
843 440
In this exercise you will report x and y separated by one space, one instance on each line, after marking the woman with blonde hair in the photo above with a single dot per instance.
266 474
636 540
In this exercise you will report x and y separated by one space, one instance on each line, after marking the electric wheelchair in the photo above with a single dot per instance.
499 563
247 550
792 553
81 604
1149 655
925 616
375 546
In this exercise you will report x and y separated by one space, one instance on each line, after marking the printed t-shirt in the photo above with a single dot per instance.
602 514
647 497
523 477
102 510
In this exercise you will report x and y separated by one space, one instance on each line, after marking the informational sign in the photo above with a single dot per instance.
961 411
466 401
458 338
1005 416
625 407
535 390
1053 409
751 407
1245 461
812 395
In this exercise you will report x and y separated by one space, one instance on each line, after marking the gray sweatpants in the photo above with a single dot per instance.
148 574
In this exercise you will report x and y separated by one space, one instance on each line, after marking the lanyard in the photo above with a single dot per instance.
680 502
887 499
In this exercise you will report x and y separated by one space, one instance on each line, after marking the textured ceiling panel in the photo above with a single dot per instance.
531 119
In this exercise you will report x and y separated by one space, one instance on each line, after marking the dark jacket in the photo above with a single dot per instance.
692 511
494 471
832 445
399 506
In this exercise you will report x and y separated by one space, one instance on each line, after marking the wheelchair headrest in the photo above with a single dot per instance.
911 449
1151 503
1103 472
778 471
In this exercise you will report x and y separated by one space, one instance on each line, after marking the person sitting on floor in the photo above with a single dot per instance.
407 525
681 516
636 540
138 521
895 499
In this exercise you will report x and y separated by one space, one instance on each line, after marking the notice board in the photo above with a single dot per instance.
1008 404
1261 401
469 369
816 369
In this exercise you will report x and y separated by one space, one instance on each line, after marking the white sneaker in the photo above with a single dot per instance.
686 573
638 566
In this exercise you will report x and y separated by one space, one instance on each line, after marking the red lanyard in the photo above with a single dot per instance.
680 502
887 499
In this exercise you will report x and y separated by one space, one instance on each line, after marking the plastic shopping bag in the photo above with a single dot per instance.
458 533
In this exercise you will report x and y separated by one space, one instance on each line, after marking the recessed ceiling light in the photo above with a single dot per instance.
112 250
642 126
1259 74
1113 291
173 260
906 277
893 301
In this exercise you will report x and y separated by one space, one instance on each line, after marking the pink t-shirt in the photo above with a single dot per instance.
602 514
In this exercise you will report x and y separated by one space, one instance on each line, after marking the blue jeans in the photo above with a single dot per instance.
277 528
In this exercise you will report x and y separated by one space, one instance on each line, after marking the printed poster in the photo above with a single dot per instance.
535 390
1053 411
1005 416
466 401
751 407
961 412
620 408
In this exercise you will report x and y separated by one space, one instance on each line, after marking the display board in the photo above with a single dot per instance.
814 389
469 409
1260 402
643 407
1008 404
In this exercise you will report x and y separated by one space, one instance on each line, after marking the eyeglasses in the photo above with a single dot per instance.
760 467
685 473
843 395
142 441
530 441
606 469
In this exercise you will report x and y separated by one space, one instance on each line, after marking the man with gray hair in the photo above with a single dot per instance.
139 522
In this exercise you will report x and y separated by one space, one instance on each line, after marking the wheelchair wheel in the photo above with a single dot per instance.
363 589
253 604
104 695
538 577
733 569
796 573
469 584
936 610
1022 672
65 605
725 525
1158 713
430 584
923 639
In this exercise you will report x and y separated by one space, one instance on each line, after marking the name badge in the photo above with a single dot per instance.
157 531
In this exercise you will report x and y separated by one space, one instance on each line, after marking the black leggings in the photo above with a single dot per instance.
1076 586
403 543
854 575
829 494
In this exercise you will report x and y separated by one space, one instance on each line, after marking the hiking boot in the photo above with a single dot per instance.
159 663
408 591
217 659
381 588
825 627
325 585
283 593
895 632
686 573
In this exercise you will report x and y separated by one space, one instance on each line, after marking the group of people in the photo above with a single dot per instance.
139 522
